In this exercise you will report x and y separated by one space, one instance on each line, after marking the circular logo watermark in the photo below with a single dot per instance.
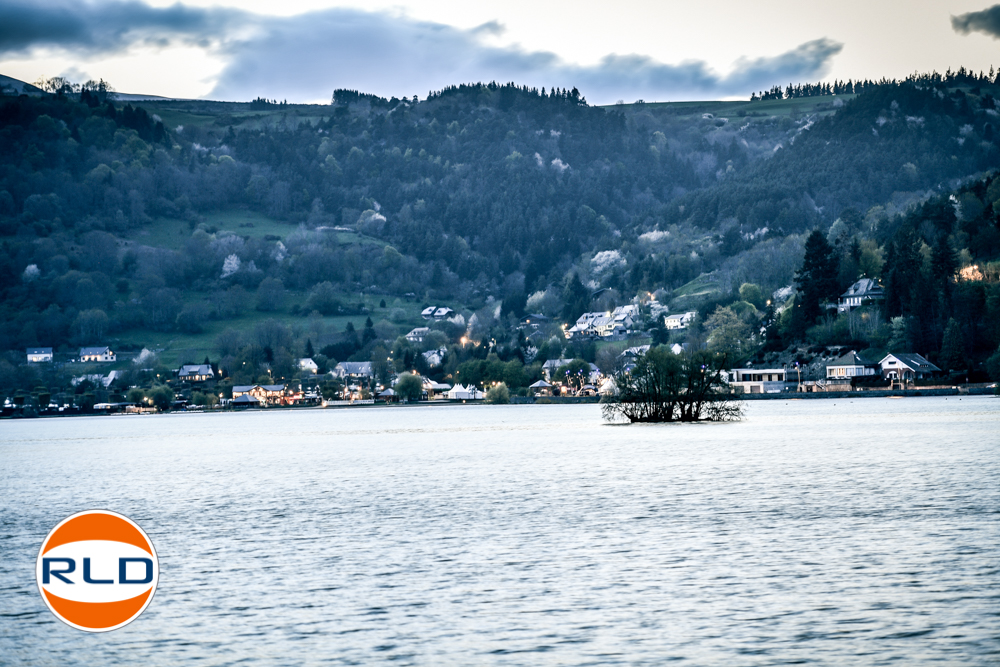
97 571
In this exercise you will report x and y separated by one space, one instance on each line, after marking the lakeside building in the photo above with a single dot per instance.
264 394
39 355
841 371
907 367
757 380
100 354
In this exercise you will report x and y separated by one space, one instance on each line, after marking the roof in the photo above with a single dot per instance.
245 398
195 369
682 316
243 388
39 350
913 361
86 351
419 331
866 287
429 310
851 358
541 384
355 367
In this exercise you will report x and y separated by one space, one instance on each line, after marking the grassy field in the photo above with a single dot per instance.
800 105
701 287
204 113
175 348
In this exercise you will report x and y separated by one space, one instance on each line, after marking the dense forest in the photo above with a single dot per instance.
497 193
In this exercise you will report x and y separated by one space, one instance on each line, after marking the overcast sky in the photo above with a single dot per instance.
663 50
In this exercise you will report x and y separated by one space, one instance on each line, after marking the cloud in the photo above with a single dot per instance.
305 57
104 27
393 55
985 21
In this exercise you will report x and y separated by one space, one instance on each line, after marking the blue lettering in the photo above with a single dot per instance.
86 575
58 574
123 576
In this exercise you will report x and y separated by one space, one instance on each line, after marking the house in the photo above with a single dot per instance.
625 316
418 334
353 370
195 373
850 365
39 355
432 388
436 313
860 293
614 324
308 365
265 394
906 367
102 354
434 357
680 320
757 380
534 320
246 401
470 393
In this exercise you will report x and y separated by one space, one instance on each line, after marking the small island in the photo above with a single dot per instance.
661 386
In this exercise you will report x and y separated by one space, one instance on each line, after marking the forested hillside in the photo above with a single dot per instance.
121 221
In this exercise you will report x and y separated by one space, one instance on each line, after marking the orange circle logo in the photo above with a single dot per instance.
97 571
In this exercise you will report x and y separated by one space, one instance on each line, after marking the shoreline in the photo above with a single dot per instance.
560 400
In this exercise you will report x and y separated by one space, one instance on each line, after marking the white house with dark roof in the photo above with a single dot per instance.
102 354
906 367
195 373
308 365
850 365
436 313
680 320
862 292
354 370
39 355
418 334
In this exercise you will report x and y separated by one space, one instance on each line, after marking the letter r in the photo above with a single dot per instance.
47 569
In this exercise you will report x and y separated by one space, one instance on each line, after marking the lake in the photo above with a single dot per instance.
827 532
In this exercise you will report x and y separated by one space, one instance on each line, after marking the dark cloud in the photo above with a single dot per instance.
986 21
108 26
389 55
305 57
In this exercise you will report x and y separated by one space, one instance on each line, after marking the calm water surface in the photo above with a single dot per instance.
822 532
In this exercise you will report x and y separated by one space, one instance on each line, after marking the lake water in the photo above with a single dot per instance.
828 532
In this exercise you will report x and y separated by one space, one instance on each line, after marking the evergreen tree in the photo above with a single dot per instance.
576 297
817 281
309 348
953 347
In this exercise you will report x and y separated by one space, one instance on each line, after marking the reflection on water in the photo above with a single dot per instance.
830 532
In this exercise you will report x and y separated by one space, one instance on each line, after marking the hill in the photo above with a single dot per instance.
168 222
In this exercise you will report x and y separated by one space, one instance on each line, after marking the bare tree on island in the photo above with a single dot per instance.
665 387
